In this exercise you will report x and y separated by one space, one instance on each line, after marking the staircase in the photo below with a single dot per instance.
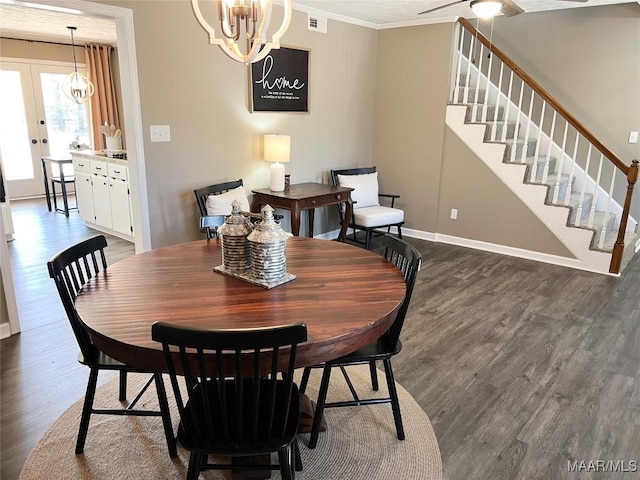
566 177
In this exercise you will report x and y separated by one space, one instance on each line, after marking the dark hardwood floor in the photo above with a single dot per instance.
40 376
521 366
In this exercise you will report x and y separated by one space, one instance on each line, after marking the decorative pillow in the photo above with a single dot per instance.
365 187
221 204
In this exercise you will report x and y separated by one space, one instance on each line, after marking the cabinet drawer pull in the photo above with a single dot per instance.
116 171
98 168
338 197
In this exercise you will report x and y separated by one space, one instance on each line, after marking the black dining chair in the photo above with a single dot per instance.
235 403
216 199
407 258
71 269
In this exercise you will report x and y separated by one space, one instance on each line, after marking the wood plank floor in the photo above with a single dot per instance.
521 366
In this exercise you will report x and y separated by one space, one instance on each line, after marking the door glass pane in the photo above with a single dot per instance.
66 120
14 136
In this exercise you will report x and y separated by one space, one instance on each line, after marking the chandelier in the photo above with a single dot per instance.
76 86
244 21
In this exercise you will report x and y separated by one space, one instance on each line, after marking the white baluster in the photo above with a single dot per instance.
457 86
536 153
603 230
545 171
506 119
525 147
574 160
556 189
487 90
592 211
496 110
474 109
465 96
578 221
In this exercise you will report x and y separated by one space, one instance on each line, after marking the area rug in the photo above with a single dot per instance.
359 443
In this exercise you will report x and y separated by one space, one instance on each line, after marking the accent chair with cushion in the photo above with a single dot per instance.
368 213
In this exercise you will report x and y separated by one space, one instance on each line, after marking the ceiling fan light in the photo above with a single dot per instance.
486 8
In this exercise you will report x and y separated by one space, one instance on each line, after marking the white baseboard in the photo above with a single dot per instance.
5 330
491 247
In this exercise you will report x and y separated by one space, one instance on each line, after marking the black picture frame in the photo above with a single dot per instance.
280 81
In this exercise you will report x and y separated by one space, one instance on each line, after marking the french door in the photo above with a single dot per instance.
36 119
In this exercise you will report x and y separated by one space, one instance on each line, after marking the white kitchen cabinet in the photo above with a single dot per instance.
103 196
84 188
120 199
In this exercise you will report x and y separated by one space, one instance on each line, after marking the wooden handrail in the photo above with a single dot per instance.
544 94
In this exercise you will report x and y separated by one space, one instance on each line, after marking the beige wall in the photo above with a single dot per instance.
376 97
486 206
202 94
594 55
411 99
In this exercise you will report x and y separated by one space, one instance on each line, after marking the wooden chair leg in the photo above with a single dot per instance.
367 239
393 393
195 460
374 375
86 410
285 458
322 397
122 394
166 415
304 380
298 458
53 193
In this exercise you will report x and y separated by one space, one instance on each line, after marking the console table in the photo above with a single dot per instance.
306 196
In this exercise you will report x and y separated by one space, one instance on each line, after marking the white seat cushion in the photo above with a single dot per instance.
365 188
221 204
377 216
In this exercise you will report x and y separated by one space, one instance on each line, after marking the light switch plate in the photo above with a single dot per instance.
160 133
633 137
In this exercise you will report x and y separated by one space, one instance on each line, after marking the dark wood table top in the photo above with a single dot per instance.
302 191
346 295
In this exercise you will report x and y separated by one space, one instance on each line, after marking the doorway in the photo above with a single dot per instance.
36 120
127 63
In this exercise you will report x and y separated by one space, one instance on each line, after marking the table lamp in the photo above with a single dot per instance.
277 149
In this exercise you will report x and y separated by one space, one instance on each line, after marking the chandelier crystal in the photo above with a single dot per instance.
244 21
76 86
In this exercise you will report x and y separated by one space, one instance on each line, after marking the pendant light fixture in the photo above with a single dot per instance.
244 21
76 86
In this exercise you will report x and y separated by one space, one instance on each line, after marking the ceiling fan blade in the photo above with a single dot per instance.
510 8
442 6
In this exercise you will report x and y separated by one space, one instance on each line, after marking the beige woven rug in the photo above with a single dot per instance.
360 442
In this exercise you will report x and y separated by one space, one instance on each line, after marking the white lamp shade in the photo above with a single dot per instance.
277 148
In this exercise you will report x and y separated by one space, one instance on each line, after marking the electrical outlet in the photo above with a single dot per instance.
633 137
160 133
454 214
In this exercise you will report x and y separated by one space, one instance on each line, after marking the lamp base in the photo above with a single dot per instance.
277 177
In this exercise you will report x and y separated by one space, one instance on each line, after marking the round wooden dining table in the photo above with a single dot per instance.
347 297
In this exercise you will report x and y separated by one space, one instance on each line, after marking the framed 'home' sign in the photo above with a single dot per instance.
280 81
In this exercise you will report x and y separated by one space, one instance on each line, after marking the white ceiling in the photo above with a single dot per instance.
37 24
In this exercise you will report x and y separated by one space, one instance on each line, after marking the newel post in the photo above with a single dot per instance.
618 248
